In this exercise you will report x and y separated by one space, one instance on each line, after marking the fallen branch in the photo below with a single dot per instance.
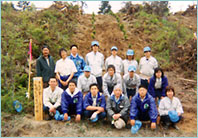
193 81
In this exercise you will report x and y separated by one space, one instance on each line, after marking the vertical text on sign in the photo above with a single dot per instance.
38 98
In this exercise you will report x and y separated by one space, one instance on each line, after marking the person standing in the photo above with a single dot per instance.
78 61
129 61
45 66
146 66
65 69
114 60
95 60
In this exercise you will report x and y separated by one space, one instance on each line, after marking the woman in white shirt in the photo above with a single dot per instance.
65 69
170 104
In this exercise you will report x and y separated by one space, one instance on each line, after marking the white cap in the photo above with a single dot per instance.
119 123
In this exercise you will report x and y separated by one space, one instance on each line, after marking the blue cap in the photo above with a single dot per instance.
114 48
60 117
173 116
17 105
130 52
132 68
147 48
136 127
95 119
94 43
87 68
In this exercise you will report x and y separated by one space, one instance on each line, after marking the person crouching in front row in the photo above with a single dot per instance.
71 101
117 108
143 107
52 99
94 104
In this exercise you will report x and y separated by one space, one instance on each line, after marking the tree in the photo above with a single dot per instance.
23 5
105 7
160 8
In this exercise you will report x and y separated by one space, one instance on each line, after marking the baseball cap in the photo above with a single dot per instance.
119 123
17 105
87 68
94 43
114 48
147 48
131 68
173 116
130 52
136 127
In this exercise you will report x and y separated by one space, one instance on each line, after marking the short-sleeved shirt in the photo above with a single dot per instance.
65 67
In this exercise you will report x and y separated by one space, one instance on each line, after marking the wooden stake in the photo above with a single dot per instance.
29 73
38 98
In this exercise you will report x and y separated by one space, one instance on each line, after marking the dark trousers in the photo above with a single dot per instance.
125 118
110 89
158 93
63 78
143 116
144 82
99 82
165 119
46 109
88 114
131 92
75 78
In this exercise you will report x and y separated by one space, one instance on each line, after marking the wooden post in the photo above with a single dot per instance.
38 98
30 60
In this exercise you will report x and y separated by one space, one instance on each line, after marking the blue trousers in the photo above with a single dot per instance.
88 114
63 78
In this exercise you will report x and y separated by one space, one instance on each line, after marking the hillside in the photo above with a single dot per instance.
62 25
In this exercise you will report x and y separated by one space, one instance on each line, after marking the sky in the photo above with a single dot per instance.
93 6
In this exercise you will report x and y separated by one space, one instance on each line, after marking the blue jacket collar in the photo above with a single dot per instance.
113 98
98 96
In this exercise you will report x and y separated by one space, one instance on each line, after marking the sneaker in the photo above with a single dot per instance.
175 126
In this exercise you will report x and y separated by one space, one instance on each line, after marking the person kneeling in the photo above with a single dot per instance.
117 108
143 107
94 104
71 101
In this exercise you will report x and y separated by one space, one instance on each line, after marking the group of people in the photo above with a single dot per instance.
74 86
